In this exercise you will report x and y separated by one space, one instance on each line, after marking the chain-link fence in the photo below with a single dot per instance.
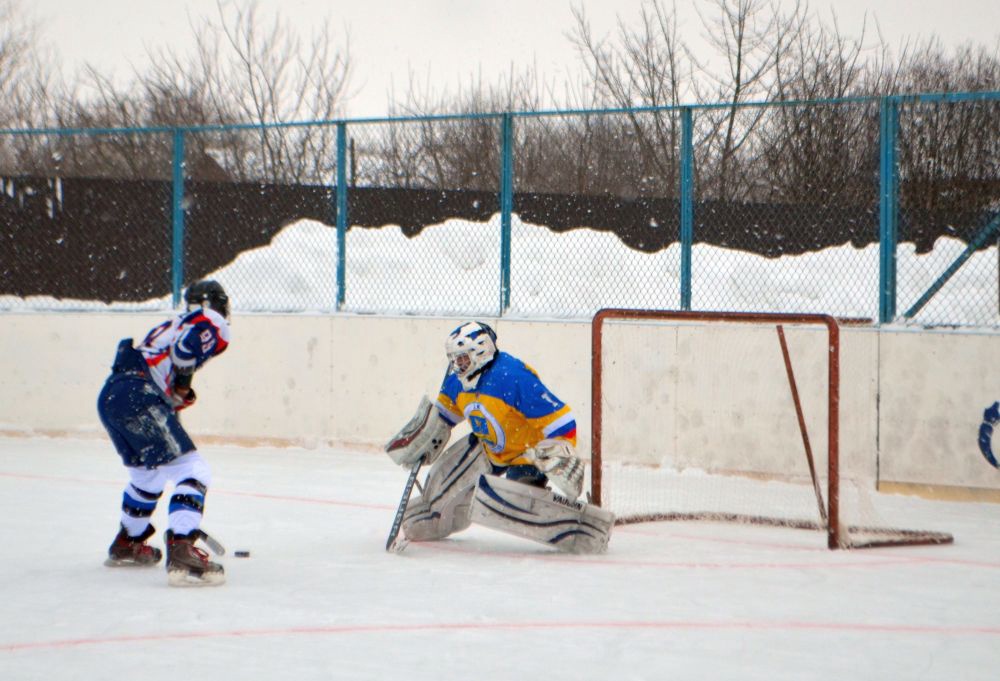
948 211
877 208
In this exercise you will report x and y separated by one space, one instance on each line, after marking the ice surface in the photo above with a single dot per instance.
321 599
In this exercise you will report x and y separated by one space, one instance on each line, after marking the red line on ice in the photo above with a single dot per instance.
855 627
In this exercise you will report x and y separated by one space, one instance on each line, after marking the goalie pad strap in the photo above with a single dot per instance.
426 434
539 515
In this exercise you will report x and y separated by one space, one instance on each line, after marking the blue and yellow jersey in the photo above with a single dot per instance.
509 411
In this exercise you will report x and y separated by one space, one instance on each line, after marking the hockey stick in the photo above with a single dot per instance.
214 544
397 522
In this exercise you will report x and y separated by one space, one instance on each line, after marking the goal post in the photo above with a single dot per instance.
728 416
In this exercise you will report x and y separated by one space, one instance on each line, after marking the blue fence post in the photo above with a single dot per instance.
888 207
506 206
687 205
985 234
177 211
341 214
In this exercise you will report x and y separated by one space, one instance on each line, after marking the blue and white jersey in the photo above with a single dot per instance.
509 410
188 341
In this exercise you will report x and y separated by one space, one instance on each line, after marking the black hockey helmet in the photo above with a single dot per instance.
208 293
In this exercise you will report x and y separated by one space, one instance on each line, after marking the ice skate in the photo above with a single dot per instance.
126 551
188 565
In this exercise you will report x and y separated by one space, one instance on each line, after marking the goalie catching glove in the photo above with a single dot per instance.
557 459
424 436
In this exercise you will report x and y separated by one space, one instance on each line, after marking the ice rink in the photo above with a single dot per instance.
319 598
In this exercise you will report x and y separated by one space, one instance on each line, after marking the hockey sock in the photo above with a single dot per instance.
186 506
137 507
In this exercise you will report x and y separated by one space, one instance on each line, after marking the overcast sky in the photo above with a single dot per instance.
444 42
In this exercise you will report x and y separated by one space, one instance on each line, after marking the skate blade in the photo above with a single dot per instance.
127 562
184 578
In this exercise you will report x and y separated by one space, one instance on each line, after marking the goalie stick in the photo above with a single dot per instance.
394 544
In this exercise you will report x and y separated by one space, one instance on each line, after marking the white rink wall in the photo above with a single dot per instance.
911 401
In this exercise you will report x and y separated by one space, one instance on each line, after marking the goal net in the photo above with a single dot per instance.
729 416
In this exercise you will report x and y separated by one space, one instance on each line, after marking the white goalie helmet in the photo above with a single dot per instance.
470 348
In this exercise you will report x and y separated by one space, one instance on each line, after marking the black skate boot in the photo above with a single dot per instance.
126 551
188 565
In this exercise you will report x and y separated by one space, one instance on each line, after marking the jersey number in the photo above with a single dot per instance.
207 341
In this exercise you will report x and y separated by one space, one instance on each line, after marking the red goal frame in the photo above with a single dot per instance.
830 511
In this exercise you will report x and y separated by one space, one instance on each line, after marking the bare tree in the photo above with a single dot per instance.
823 152
243 71
646 67
274 76
460 146
650 66
14 50
27 85
18 38
949 151
748 38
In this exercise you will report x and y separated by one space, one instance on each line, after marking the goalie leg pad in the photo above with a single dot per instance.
539 515
444 506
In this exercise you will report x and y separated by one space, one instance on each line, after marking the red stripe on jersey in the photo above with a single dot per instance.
156 359
565 434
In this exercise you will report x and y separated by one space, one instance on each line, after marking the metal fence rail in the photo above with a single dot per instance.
882 208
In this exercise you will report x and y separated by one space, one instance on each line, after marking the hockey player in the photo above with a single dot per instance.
517 471
138 407
990 418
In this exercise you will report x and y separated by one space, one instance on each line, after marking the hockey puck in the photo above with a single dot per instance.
241 554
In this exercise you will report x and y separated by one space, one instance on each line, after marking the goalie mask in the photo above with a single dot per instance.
470 348
208 293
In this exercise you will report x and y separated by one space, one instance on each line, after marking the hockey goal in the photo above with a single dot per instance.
730 416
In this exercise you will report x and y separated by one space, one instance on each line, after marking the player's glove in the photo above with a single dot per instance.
557 459
182 398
